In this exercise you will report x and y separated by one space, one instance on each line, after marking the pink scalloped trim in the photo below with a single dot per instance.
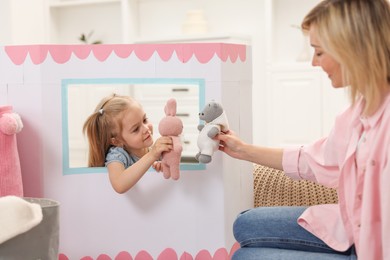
203 52
167 254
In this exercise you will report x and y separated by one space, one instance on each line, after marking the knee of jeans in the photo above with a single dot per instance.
239 225
236 255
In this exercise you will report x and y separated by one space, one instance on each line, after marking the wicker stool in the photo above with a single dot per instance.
273 188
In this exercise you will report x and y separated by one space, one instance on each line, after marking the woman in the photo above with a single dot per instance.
351 41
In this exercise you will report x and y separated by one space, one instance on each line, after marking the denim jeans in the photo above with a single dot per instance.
273 233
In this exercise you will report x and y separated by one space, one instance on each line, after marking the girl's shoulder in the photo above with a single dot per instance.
116 150
118 154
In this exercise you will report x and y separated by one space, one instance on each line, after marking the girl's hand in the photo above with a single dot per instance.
162 144
157 166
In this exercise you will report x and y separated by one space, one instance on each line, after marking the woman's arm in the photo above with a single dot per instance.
236 148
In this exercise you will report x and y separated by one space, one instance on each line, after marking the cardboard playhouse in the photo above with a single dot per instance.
190 218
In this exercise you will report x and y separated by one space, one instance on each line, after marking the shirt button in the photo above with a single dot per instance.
372 162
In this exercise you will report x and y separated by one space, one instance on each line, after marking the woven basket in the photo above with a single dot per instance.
273 188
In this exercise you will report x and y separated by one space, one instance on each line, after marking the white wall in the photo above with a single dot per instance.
287 40
266 22
22 21
269 24
5 18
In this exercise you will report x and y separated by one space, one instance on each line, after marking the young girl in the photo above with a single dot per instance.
351 41
121 138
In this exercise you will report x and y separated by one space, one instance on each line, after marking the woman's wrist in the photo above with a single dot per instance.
244 151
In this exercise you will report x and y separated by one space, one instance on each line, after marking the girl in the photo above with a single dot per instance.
351 41
121 138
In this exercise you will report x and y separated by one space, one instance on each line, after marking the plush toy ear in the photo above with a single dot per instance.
170 107
8 124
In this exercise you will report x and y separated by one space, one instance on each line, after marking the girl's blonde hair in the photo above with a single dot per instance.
357 34
103 125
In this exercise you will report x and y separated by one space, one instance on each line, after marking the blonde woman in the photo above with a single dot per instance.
351 41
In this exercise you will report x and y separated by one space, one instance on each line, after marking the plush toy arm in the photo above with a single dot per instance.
200 127
10 123
177 144
213 132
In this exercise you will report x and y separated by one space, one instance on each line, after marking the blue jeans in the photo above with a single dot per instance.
273 233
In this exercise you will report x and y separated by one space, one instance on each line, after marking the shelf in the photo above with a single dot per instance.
75 3
224 38
67 21
292 66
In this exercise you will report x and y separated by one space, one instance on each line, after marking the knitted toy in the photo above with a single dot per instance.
215 121
171 126
10 172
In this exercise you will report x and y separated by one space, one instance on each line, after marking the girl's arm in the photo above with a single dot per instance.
123 179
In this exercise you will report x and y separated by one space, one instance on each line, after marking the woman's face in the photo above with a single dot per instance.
328 64
137 132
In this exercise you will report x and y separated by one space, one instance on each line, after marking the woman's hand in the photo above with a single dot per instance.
231 144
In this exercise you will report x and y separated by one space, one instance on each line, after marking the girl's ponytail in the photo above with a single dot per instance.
103 125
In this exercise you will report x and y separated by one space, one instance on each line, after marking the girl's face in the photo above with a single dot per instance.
328 64
137 132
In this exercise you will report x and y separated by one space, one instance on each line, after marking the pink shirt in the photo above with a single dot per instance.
355 159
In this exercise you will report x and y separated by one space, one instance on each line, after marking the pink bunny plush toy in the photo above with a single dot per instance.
10 172
171 126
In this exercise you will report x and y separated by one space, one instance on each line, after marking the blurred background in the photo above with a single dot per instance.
293 103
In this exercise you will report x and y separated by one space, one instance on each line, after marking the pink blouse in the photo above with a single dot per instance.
355 159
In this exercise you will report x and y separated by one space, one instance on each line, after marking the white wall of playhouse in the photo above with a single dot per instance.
186 218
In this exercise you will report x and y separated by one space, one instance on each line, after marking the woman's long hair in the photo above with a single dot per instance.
357 34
